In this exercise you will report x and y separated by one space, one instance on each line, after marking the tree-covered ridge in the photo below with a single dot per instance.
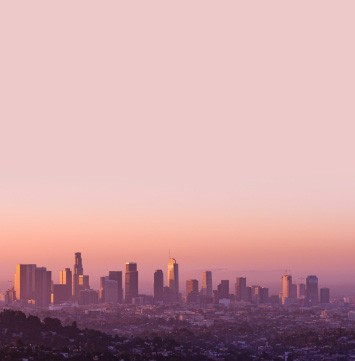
50 332
261 338
30 338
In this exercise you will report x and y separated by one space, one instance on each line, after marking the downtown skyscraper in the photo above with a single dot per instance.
324 295
80 281
158 285
111 288
117 276
77 272
241 289
173 279
33 285
206 287
43 287
312 295
192 294
66 280
286 289
131 282
223 290
25 282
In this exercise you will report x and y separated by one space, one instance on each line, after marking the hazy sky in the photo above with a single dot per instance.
224 131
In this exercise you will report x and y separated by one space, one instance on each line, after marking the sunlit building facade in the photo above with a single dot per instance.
173 278
286 289
66 280
25 282
84 282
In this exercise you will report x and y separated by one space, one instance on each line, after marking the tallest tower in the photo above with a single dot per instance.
173 279
77 271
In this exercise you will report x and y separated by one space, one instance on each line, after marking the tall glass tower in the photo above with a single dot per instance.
77 271
173 278
286 286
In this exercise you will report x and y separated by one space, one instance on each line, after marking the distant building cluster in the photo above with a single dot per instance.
33 286
304 294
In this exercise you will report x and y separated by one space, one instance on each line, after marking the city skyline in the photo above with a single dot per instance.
177 180
228 140
130 286
267 277
34 286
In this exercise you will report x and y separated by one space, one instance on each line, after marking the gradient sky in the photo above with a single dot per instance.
224 131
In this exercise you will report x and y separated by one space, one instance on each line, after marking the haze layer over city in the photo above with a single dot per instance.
224 134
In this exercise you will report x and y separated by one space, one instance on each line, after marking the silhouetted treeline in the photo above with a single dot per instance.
28 337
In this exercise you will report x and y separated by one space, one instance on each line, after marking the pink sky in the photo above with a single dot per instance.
221 130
